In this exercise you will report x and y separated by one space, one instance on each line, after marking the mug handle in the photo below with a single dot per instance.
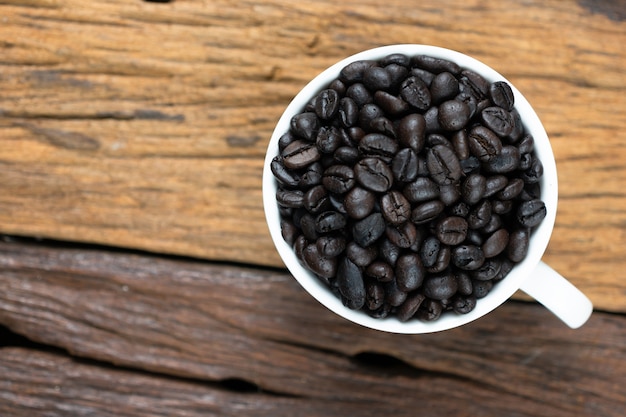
558 295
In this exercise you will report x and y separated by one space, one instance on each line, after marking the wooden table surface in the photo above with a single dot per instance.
137 275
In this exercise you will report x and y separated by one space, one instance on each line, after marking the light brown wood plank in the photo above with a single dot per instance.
212 322
144 125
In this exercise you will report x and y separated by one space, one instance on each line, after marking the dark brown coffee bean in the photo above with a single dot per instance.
383 125
288 177
339 86
330 246
533 174
484 143
327 104
415 92
389 252
501 207
476 82
526 145
315 200
531 213
288 231
435 65
431 118
496 243
512 189
329 221
376 78
374 295
494 224
305 125
506 161
367 231
502 95
410 306
359 255
481 288
377 144
498 120
480 215
460 144
409 272
360 94
440 287
290 198
395 208
404 235
430 251
443 260
443 87
423 75
517 247
430 310
404 165
451 230
311 175
463 304
426 212
338 179
299 154
374 174
473 188
307 225
394 296
488 270
391 104
285 140
449 194
359 203
411 132
506 266
354 71
328 139
453 115
518 128
421 190
468 257
350 283
322 266
464 283
346 155
348 112
494 184
381 271
460 209
443 165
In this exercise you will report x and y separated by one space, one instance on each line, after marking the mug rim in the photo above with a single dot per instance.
504 289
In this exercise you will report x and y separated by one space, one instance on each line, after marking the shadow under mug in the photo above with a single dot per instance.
531 275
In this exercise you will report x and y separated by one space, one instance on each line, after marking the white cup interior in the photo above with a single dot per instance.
502 290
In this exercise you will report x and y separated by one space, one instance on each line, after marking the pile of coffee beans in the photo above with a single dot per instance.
409 186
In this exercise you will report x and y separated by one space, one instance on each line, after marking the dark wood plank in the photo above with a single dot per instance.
213 322
144 125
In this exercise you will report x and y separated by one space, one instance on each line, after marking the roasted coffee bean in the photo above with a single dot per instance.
444 86
474 237
518 127
359 255
496 243
328 139
360 94
435 65
346 155
494 224
398 59
288 177
430 310
404 235
397 73
453 115
440 287
423 75
389 252
285 140
506 266
338 179
410 306
289 231
512 189
404 165
468 257
530 192
354 71
477 83
526 145
368 230
409 272
502 95
290 198
381 271
415 92
348 112
359 203
470 99
299 154
391 104
464 283
473 188
305 125
494 184
311 175
377 144
498 120
460 144
435 139
383 125
421 190
430 251
330 246
411 132
488 270
517 247
480 215
470 165
376 78
506 161
426 212
315 200
307 225
443 260
484 143
431 118
369 112
481 288
329 221
374 174
533 174
395 208
339 86
324 267
531 213
443 165
350 283
394 296
327 104
463 304
460 209
451 230
374 295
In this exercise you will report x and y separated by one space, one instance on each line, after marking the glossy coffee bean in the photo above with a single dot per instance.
435 65
322 266
444 86
338 179
290 198
531 213
376 78
453 115
495 183
285 176
329 221
374 174
395 208
415 92
451 230
533 174
480 215
381 271
405 235
359 255
506 161
496 243
389 252
311 175
350 283
374 295
421 190
305 125
409 272
348 112
473 188
410 306
460 144
463 304
354 71
488 270
443 260
443 165
512 189
394 296
502 95
299 154
404 165
430 310
392 105
481 288
517 248
360 94
468 257
328 139
440 287
315 200
377 144
464 283
498 120
484 143
330 246
430 251
346 155
411 132
368 230
327 104
359 202
427 211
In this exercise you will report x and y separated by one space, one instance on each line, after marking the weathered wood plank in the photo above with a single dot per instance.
144 125
214 322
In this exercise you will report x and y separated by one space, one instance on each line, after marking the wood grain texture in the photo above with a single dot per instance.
144 125
214 324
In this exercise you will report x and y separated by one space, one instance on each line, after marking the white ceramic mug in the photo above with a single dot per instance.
531 275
